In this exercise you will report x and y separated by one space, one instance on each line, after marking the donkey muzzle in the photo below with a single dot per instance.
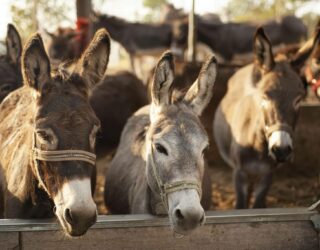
282 154
185 211
280 146
75 207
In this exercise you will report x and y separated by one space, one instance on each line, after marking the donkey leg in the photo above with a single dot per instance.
241 188
13 207
261 190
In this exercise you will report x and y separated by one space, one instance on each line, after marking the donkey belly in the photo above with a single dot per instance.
222 135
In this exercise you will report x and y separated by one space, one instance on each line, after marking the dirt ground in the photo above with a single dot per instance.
291 187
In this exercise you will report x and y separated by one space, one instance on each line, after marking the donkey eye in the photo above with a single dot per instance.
45 136
205 150
296 103
161 149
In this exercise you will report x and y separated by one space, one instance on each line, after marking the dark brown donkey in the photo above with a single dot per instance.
114 99
230 39
121 94
138 39
158 167
48 132
64 45
254 122
10 71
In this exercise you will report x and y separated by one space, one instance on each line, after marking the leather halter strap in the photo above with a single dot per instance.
59 155
64 155
276 127
167 188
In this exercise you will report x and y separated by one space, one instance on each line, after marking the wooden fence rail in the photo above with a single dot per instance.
234 229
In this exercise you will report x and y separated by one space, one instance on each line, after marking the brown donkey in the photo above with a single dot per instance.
254 122
158 167
48 132
10 70
114 99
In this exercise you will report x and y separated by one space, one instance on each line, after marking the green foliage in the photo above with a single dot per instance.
27 14
246 10
154 7
154 4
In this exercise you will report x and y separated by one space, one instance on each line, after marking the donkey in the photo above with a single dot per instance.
64 45
230 39
114 99
138 39
254 122
158 167
10 72
48 132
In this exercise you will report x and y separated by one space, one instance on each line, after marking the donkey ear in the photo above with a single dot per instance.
263 51
94 60
304 53
50 34
13 43
35 63
200 93
162 80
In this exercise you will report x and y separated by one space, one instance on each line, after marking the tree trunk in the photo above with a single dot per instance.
84 8
191 54
84 26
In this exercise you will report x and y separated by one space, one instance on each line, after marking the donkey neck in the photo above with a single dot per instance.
17 124
116 27
248 118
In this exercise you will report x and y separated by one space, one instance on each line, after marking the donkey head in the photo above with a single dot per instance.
63 44
175 144
280 92
65 129
10 72
179 29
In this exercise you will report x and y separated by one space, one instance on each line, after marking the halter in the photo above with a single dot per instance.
276 127
315 83
59 155
167 188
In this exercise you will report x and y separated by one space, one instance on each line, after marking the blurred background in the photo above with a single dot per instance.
39 15
31 15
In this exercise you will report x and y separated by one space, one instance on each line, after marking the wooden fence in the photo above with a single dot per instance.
235 229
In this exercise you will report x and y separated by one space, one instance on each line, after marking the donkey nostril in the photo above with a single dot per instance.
202 219
54 209
179 215
67 215
274 149
288 150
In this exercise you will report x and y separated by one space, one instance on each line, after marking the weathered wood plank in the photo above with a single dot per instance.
234 229
9 240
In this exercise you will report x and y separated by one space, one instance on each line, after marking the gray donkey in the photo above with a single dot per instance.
254 122
159 165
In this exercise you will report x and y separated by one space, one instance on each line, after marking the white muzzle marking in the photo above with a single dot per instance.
280 139
75 195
